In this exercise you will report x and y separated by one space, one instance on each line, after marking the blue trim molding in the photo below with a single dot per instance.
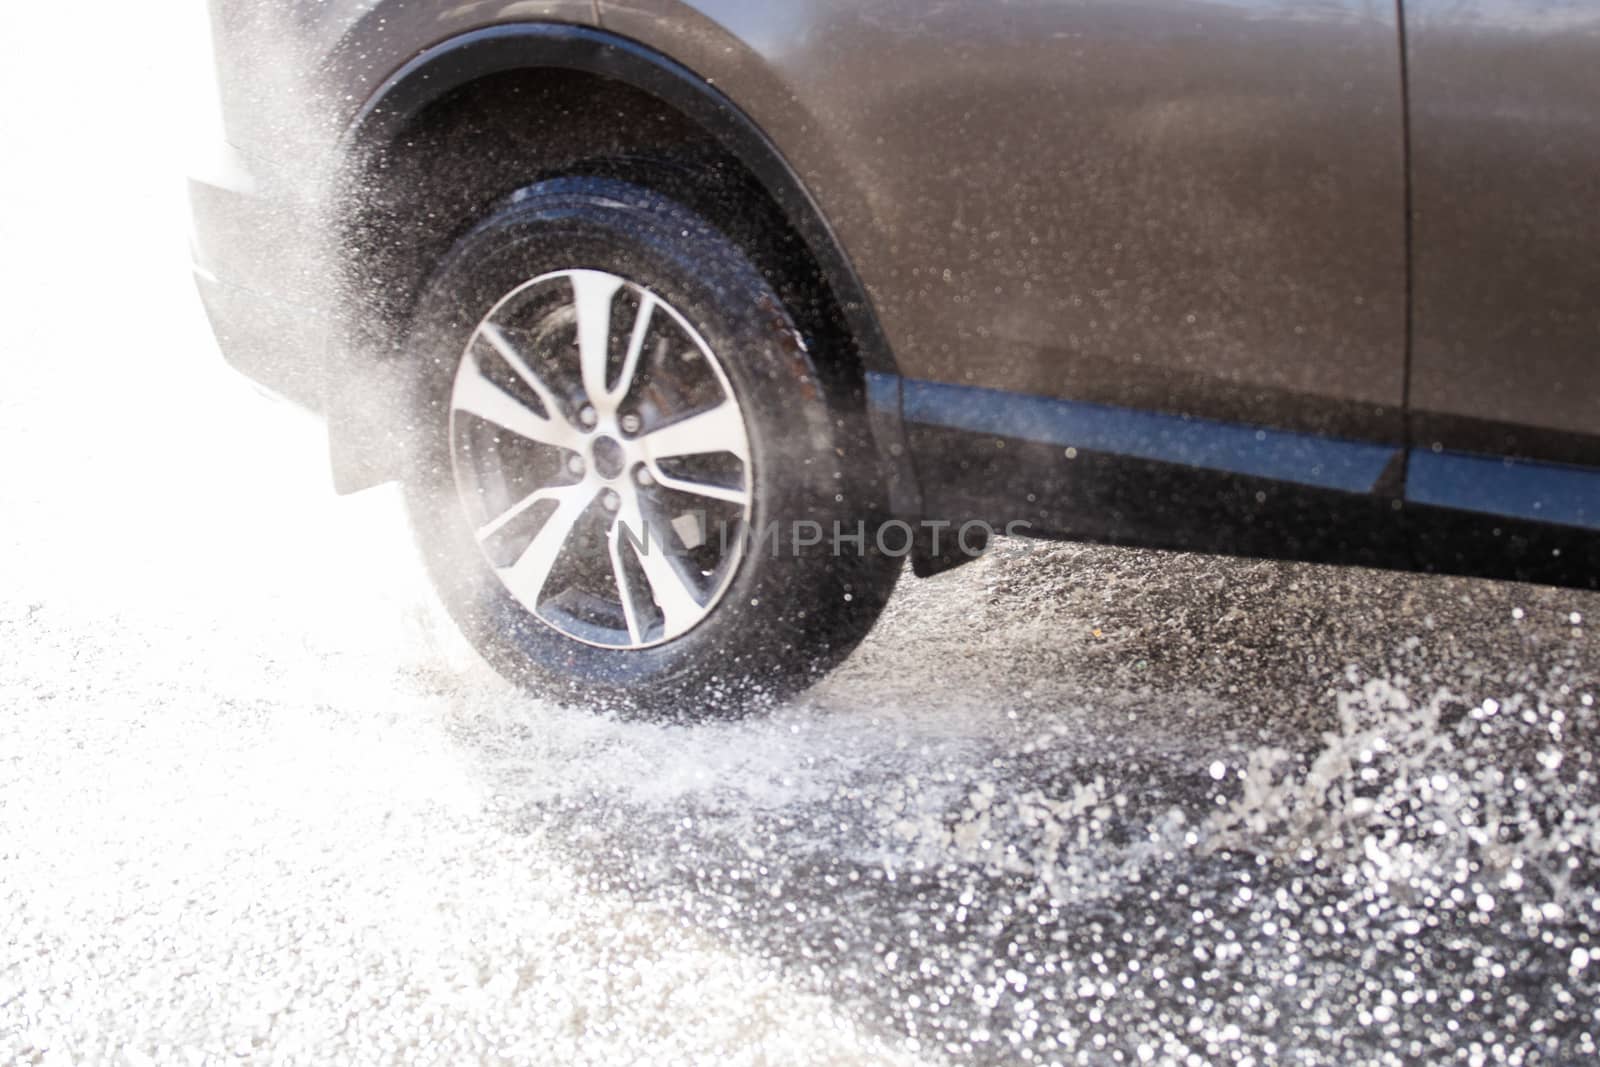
1495 485
1257 452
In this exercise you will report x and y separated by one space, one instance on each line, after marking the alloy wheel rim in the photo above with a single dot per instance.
602 459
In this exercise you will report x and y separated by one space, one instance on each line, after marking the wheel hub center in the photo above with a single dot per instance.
608 458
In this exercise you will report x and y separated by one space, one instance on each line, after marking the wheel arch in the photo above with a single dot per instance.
554 51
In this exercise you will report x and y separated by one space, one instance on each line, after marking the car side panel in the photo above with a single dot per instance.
1505 139
1176 205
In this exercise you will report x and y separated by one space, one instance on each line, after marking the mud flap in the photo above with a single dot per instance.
368 420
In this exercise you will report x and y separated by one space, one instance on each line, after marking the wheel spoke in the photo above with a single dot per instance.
630 361
625 593
718 429
592 294
500 521
508 352
672 592
705 489
476 395
527 576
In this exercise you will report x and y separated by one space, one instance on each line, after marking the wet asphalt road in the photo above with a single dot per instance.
258 804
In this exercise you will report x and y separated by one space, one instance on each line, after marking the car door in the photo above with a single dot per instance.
1186 212
1505 370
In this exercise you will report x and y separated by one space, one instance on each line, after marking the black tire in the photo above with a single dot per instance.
783 619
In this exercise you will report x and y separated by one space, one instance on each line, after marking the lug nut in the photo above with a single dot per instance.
644 478
611 500
588 417
575 465
631 423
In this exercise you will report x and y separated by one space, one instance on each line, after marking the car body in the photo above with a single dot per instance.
1313 280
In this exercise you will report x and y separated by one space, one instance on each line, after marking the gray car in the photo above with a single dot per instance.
684 323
